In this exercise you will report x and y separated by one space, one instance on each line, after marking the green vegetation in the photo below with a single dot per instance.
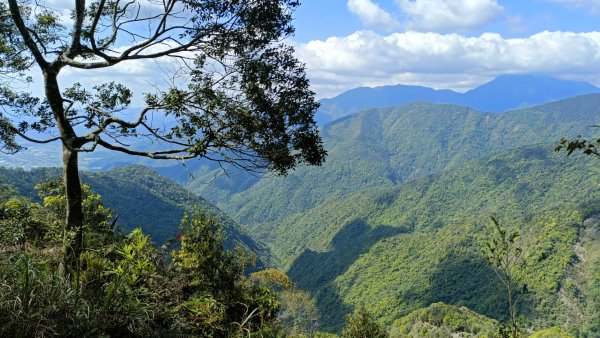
399 249
395 223
553 332
123 286
361 324
588 147
385 147
298 313
504 254
255 111
442 320
140 198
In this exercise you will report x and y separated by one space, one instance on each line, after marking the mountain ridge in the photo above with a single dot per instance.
506 92
388 146
140 197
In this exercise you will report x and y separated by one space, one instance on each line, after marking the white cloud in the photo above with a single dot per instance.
450 61
449 15
372 15
141 76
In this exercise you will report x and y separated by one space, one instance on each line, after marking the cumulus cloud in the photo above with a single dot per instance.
371 14
452 61
449 15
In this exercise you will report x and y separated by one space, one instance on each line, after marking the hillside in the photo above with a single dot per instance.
390 146
441 320
499 95
399 249
141 198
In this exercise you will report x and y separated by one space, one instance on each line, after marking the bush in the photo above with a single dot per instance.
361 324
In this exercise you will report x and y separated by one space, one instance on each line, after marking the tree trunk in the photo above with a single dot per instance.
74 219
73 234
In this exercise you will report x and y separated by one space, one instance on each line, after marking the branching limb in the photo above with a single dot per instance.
24 31
158 155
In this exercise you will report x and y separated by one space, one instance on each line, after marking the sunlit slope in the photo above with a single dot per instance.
386 147
402 248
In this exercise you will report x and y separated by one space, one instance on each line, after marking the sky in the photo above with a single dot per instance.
443 44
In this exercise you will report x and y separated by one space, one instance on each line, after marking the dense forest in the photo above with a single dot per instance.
390 146
405 200
176 168
402 258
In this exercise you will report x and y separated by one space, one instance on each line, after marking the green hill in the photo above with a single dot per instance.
141 198
390 146
395 250
396 218
441 320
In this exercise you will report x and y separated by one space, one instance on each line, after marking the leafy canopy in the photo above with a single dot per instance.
243 98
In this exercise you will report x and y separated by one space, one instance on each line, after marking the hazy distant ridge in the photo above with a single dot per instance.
503 93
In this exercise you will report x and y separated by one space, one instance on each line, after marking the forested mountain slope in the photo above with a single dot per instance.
390 146
442 320
141 198
398 249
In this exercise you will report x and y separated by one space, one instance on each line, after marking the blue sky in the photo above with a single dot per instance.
319 19
456 44
443 44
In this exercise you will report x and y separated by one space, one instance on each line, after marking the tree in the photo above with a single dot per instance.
299 313
361 324
245 101
210 287
505 256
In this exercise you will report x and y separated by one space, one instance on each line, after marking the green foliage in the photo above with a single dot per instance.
201 256
129 297
138 197
361 324
35 301
23 221
587 147
442 320
299 314
216 298
98 220
504 254
259 116
125 286
553 332
271 278
400 249
380 148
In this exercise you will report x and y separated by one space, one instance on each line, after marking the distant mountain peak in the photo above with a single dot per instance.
506 92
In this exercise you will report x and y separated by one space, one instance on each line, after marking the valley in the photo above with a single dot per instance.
396 218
